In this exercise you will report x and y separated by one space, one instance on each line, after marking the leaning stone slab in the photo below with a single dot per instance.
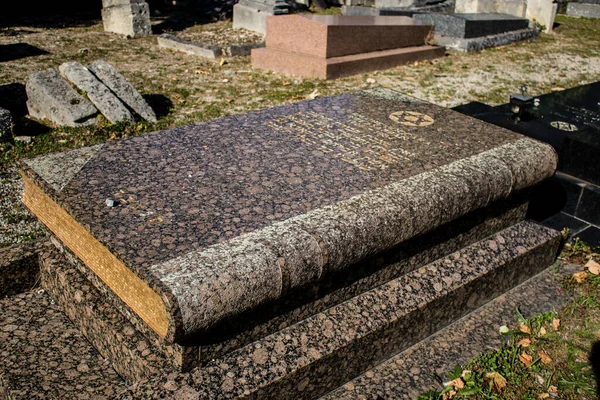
108 104
353 175
120 86
5 124
472 25
542 12
50 97
188 46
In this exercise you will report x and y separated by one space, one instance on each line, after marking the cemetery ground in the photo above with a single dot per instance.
186 89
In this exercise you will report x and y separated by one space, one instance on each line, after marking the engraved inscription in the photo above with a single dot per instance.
347 141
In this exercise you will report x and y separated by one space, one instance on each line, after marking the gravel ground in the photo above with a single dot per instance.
187 89
17 225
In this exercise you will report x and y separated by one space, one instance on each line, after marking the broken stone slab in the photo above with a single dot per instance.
130 19
120 86
190 47
5 124
108 104
241 50
50 97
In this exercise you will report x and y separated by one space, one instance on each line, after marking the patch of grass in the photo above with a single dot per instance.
546 356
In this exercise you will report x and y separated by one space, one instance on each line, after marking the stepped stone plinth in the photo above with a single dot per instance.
245 256
337 46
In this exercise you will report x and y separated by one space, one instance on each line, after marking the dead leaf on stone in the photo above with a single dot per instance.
552 389
544 357
449 395
526 359
543 395
525 329
593 267
579 276
457 383
526 342
555 324
499 381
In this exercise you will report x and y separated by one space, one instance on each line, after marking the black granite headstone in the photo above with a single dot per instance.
473 25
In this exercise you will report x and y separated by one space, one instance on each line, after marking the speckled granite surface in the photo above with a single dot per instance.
43 356
130 353
92 306
414 371
314 187
19 268
322 352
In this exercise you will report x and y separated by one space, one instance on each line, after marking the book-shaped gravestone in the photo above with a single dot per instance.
196 225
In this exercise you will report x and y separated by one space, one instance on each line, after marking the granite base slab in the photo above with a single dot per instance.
414 371
43 356
130 353
338 67
583 10
478 44
91 305
322 352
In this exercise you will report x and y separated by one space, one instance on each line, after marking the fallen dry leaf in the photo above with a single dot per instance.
555 324
526 342
543 395
544 357
465 373
579 276
457 383
593 267
499 381
552 389
525 329
526 359
542 331
449 395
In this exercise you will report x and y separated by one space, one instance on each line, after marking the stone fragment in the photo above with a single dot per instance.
127 18
190 47
50 97
120 86
108 104
5 124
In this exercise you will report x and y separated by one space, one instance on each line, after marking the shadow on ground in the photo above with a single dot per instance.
16 51
161 105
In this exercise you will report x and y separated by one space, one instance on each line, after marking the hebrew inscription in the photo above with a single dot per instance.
346 140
